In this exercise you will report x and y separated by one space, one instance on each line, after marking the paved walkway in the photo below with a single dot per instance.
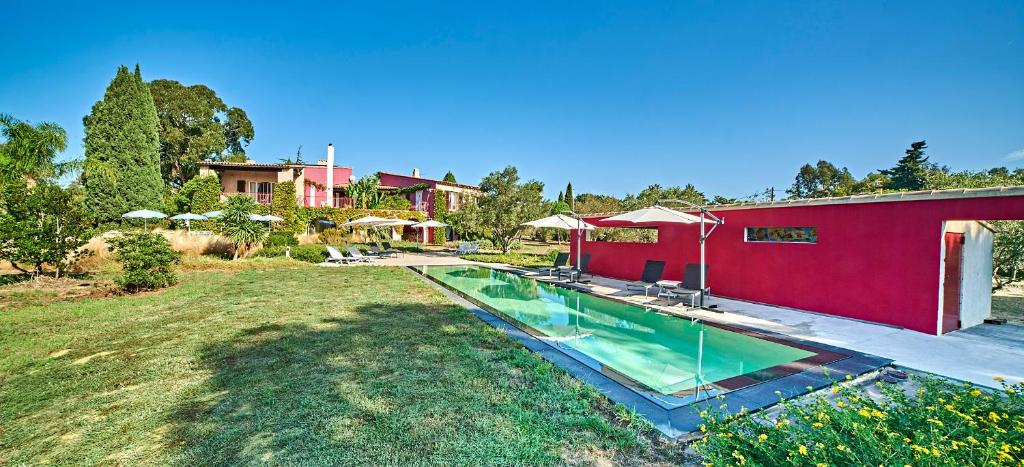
977 354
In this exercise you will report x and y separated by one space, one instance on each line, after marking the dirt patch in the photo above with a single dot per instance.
44 290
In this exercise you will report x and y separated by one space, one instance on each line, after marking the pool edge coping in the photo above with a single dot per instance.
679 421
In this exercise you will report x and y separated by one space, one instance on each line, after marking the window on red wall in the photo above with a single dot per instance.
240 186
781 234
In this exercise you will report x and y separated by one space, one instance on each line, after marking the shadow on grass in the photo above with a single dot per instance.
385 384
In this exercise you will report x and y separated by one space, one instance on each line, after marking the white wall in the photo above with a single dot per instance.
976 289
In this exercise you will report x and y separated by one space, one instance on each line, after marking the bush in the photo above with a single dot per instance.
514 259
941 424
308 253
146 259
280 239
332 237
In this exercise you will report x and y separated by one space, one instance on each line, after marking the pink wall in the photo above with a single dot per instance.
873 261
318 174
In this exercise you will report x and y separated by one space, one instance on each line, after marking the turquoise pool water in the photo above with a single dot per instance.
658 351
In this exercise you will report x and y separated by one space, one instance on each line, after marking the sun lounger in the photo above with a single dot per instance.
575 273
380 252
651 274
358 255
335 256
560 261
690 286
387 248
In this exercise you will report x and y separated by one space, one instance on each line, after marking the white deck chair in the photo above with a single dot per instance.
358 255
335 256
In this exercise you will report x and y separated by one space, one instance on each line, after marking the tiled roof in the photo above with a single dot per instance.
263 166
471 187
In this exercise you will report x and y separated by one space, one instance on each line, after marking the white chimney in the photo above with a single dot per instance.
416 173
330 174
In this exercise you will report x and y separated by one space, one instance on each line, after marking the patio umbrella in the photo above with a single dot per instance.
561 221
662 214
212 214
145 215
428 224
367 221
397 223
188 217
273 218
258 217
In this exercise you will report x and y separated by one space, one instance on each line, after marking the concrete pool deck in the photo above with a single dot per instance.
976 354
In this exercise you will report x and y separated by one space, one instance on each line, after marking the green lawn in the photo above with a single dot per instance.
362 365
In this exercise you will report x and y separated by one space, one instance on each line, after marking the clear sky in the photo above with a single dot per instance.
730 96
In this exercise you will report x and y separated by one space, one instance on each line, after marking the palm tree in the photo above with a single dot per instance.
243 232
29 150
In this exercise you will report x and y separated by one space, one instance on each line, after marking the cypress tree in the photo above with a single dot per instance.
122 150
911 171
569 198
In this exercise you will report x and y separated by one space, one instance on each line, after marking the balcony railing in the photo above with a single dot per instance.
319 201
420 206
261 198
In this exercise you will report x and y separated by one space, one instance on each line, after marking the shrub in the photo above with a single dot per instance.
941 424
280 239
238 227
332 237
308 253
41 225
146 259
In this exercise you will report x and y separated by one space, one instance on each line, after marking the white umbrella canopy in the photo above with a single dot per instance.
188 216
212 214
257 217
145 215
397 223
273 218
560 221
655 214
430 223
367 221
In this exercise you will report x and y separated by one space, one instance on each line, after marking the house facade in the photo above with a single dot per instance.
919 260
452 194
258 180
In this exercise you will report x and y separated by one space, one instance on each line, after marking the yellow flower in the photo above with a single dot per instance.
976 392
936 422
803 450
762 437
739 457
822 464
999 378
840 404
820 446
835 389
864 413
841 448
703 428
1009 390
994 417
972 440
849 377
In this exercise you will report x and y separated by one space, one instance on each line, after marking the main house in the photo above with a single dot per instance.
323 184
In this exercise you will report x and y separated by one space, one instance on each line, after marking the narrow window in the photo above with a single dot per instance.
781 234
240 187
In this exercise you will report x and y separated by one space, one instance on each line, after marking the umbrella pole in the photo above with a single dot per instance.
702 278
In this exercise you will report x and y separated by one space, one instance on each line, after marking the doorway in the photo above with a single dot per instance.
952 281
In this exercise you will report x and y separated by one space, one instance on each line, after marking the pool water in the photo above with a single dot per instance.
662 352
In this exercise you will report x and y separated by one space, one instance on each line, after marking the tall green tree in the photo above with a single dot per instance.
505 204
822 180
29 151
449 177
652 194
122 150
41 225
911 172
569 198
196 125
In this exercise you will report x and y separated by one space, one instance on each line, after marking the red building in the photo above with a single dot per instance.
432 191
919 260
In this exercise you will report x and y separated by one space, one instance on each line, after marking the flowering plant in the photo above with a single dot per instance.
938 424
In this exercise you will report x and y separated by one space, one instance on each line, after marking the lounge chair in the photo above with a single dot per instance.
463 248
387 248
380 252
335 256
575 271
358 255
652 274
690 287
560 261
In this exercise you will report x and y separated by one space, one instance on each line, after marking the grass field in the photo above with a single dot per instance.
293 365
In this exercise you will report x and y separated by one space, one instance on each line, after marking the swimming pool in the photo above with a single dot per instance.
645 349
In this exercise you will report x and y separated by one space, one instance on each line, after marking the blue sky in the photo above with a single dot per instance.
730 96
